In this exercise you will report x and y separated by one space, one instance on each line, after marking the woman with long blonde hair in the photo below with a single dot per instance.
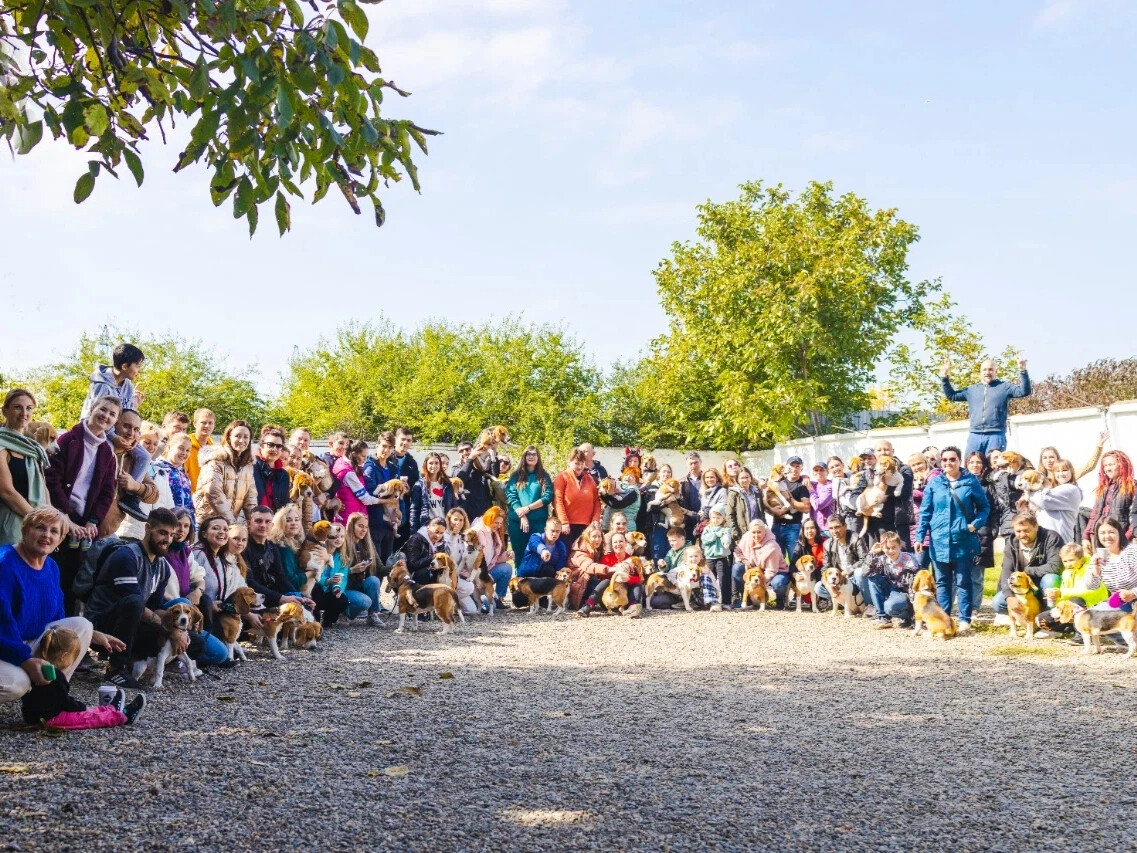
359 557
287 532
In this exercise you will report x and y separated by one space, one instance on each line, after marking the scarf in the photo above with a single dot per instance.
36 460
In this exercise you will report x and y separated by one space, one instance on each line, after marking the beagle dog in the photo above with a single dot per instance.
176 617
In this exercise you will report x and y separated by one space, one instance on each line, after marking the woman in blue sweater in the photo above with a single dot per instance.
31 601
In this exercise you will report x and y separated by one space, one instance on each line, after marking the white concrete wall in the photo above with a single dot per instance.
1073 431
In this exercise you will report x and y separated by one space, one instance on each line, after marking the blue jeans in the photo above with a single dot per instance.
501 573
214 651
890 602
786 536
367 599
659 544
952 576
984 441
1049 581
779 585
736 573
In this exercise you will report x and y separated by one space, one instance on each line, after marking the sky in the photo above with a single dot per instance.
579 138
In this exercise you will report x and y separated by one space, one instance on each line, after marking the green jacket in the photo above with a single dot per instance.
531 490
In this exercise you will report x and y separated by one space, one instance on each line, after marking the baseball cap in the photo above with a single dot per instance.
794 460
868 451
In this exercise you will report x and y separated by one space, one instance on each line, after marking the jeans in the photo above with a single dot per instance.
951 576
139 462
357 602
659 544
890 602
736 573
984 441
786 536
501 573
1049 581
779 585
720 568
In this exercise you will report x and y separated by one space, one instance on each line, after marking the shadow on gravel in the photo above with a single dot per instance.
614 747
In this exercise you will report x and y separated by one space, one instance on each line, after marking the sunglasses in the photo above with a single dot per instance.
276 445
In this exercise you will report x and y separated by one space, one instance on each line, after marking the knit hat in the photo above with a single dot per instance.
719 509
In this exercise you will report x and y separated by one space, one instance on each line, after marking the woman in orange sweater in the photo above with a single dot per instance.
575 497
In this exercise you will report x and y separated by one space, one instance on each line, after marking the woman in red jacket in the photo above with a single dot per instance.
616 559
81 479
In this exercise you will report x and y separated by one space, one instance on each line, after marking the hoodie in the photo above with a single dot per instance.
104 384
762 551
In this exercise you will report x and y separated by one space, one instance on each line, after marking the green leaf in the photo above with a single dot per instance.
30 135
96 120
356 18
380 213
295 14
253 217
84 187
199 80
134 164
283 214
283 107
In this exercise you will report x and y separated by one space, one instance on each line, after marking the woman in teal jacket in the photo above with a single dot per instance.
529 495
955 506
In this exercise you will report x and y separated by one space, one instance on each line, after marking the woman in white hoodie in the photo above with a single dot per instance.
1056 507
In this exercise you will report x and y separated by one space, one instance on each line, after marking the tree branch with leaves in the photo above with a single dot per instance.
280 95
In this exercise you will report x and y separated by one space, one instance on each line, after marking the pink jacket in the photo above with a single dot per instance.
765 553
491 551
344 471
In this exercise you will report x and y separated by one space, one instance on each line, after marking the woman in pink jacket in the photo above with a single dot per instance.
759 549
352 493
495 549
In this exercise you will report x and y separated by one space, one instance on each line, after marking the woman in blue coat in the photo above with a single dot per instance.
955 506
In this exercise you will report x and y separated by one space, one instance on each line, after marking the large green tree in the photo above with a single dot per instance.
278 94
178 375
779 313
446 382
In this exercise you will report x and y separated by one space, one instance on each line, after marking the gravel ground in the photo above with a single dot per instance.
675 731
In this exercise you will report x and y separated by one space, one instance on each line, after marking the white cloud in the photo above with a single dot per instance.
1055 12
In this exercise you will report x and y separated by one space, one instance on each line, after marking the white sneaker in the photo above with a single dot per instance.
964 628
1045 634
716 607
1001 620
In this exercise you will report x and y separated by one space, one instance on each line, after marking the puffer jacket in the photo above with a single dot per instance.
223 490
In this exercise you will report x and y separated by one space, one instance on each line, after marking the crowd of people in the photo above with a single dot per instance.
107 528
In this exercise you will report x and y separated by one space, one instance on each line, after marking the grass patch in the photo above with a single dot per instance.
991 582
1035 649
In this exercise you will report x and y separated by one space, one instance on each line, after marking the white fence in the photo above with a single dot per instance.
1073 431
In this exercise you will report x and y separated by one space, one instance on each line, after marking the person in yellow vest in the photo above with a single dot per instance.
203 423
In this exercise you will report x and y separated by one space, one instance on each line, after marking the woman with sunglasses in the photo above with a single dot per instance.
529 493
955 506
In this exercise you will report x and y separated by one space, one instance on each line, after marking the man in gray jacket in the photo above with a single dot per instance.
987 402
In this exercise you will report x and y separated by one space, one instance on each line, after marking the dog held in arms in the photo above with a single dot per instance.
870 502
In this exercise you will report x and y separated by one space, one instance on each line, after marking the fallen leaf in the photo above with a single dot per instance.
383 742
226 698
372 772
397 771
445 675
262 684
337 687
406 691
363 684
14 768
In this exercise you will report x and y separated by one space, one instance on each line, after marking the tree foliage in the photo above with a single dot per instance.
446 382
1100 383
278 94
178 375
913 388
779 313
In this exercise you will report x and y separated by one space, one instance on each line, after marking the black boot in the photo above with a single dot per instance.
132 506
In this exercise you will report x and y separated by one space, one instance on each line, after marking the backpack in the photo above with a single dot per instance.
93 562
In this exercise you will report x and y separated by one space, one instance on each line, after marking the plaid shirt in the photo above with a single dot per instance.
710 589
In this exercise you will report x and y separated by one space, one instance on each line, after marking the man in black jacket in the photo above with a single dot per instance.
403 466
846 551
903 508
266 571
1031 549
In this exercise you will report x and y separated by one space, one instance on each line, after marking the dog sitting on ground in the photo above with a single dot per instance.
840 589
60 647
615 597
686 582
754 589
534 589
176 617
1023 605
802 582
870 502
227 625
415 600
928 614
1091 624
772 492
667 501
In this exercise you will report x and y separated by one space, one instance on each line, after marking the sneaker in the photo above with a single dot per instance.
88 663
132 505
907 623
1001 620
716 607
881 624
1076 640
1044 634
584 610
136 706
499 604
119 701
373 620
964 628
121 678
